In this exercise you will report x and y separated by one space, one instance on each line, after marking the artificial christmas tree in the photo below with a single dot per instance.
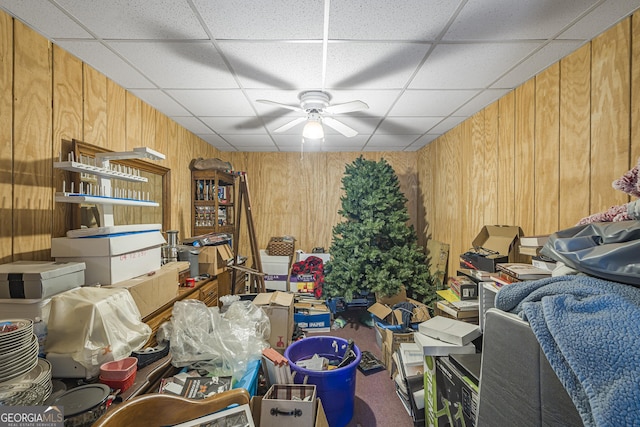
374 249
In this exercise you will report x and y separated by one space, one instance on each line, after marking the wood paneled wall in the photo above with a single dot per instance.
543 156
47 96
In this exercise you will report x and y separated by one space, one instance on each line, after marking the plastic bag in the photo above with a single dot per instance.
221 344
608 250
94 326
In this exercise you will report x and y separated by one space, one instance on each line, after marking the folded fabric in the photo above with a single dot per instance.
588 330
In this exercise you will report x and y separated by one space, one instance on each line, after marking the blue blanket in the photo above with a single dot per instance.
589 330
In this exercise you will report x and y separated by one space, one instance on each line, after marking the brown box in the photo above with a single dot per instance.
390 342
150 292
382 309
279 307
213 259
256 409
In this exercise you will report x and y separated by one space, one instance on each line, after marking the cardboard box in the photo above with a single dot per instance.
32 281
295 402
382 309
276 270
213 259
111 259
256 410
456 390
279 308
390 341
152 292
21 309
493 245
450 330
302 283
311 315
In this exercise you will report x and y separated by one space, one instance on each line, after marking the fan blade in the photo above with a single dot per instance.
291 124
339 126
277 104
346 107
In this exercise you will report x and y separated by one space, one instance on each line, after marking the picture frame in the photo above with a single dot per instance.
237 416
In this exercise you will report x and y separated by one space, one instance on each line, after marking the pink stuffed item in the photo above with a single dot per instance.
630 184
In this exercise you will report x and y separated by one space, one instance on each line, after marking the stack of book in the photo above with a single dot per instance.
451 305
514 272
531 245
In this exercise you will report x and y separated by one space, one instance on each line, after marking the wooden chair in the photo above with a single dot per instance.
155 409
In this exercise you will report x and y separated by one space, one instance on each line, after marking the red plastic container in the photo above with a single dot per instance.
121 385
118 370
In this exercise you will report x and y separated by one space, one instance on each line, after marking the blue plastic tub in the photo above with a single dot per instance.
336 388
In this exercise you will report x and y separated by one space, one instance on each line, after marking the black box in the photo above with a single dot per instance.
457 396
479 261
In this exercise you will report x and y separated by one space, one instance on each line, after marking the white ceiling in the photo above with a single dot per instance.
422 66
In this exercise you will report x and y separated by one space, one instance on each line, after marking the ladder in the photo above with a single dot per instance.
255 273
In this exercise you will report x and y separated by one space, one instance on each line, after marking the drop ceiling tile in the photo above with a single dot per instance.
483 99
275 65
262 20
514 20
469 66
219 102
46 18
447 124
160 101
178 65
127 19
216 141
405 20
372 65
407 125
431 102
423 141
537 62
236 125
391 141
107 62
192 124
604 16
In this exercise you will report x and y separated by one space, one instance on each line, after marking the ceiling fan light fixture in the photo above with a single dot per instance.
313 129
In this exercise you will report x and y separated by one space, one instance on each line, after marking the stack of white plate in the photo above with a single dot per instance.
20 367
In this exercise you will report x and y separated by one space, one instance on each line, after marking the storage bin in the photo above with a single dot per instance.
336 388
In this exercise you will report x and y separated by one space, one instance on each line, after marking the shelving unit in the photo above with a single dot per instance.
213 202
102 193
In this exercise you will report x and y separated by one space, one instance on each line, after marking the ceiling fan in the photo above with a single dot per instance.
318 110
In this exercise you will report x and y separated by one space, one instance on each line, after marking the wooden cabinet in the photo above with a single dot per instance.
213 199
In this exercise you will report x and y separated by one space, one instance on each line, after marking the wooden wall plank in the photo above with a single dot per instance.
610 113
547 150
33 168
116 117
575 133
6 137
506 152
95 107
635 89
67 125
133 123
476 179
490 192
524 161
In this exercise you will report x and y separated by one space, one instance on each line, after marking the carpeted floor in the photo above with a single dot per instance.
376 403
